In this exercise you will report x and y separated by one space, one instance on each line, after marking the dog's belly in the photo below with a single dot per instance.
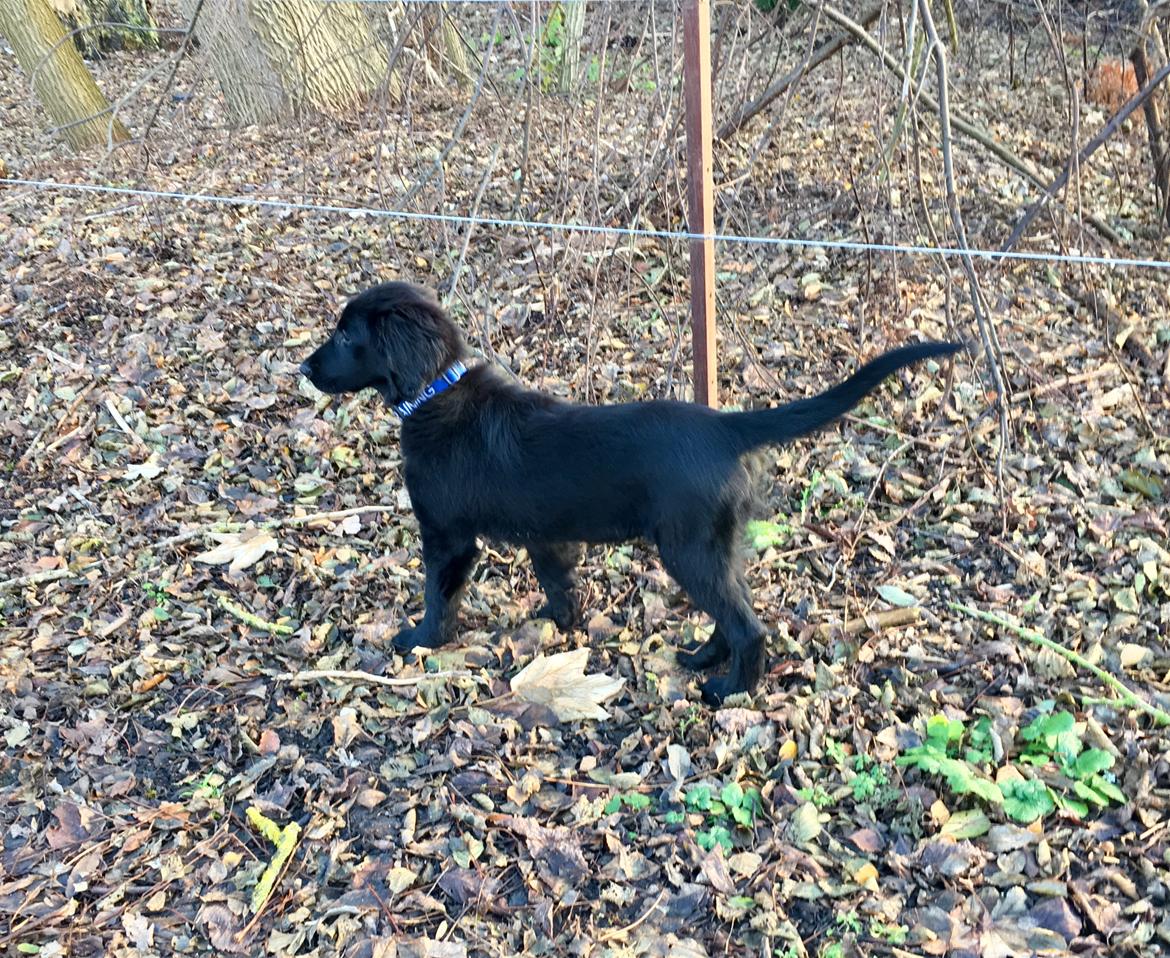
576 518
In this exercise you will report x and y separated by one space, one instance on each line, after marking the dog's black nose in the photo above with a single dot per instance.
306 369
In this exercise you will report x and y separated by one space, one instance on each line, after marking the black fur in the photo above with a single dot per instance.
488 458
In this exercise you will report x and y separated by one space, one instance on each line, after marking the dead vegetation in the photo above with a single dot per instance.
186 531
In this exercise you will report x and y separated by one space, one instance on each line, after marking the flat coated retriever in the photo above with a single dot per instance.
484 457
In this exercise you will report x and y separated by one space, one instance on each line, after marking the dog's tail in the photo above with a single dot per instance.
795 419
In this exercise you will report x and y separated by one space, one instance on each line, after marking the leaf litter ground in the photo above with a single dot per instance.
191 530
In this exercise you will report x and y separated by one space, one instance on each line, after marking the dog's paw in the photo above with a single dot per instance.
413 636
717 688
705 656
562 616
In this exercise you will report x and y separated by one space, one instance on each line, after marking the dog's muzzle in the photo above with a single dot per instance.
306 369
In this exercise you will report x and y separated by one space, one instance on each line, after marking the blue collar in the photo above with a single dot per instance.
451 375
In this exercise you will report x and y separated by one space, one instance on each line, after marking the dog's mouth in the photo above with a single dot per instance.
320 382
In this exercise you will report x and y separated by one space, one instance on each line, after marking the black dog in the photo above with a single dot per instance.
487 458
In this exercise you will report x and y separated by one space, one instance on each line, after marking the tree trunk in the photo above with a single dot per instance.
274 55
89 18
445 52
326 53
571 44
251 88
1140 56
61 81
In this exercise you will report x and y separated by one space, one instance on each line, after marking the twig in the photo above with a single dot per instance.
250 618
815 57
1128 697
457 133
227 525
342 675
35 578
1089 149
886 619
125 426
57 357
618 932
188 36
983 320
491 167
968 129
1105 369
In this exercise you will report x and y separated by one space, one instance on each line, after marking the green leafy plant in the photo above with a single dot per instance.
1057 738
936 756
762 535
156 592
815 794
552 43
1025 799
837 752
635 801
871 782
690 717
733 806
891 934
1052 738
980 750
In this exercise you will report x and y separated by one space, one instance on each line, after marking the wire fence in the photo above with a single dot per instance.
618 231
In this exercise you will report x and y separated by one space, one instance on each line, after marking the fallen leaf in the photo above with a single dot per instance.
241 549
559 681
345 727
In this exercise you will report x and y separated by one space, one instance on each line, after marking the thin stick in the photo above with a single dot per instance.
618 932
227 525
1128 697
1089 149
875 622
341 675
188 36
964 126
125 426
491 167
457 133
250 618
1106 369
35 578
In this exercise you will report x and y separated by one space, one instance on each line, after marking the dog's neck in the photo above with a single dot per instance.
448 378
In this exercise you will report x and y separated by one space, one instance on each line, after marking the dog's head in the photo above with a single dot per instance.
394 337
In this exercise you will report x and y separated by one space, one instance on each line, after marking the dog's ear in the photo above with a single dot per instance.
413 334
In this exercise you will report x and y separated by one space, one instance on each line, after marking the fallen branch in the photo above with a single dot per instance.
228 525
964 126
834 45
250 618
1127 697
1089 149
35 578
342 675
1105 369
125 426
875 622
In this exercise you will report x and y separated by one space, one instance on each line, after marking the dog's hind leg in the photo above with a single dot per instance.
448 562
705 570
553 564
715 651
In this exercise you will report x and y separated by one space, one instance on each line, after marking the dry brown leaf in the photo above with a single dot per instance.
241 549
559 681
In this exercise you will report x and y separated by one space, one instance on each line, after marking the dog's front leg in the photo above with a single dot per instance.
448 562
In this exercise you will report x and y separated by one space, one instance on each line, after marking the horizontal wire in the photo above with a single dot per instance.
626 231
513 2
